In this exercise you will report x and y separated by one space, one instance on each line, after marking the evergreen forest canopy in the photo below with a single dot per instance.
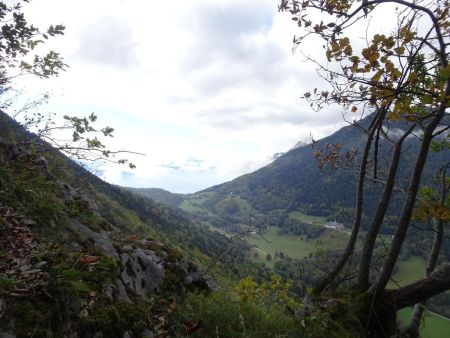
118 264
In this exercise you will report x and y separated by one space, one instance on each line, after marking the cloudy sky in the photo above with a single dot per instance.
207 89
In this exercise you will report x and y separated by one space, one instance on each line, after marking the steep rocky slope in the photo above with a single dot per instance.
79 257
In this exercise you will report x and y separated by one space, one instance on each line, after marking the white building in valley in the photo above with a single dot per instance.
334 225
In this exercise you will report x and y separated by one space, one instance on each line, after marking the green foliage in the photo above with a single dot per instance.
75 279
70 282
113 317
33 318
266 309
18 42
73 296
275 291
440 144
307 218
227 207
5 284
431 204
222 314
18 39
434 326
160 195
292 226
27 188
297 247
394 71
85 144
338 321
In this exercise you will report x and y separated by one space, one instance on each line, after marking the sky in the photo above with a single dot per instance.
208 90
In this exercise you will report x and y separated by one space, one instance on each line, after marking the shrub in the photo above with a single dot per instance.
223 315
248 310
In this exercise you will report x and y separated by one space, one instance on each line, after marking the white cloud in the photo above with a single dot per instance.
208 86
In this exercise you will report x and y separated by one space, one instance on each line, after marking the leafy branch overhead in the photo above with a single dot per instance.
84 143
399 78
18 41
405 70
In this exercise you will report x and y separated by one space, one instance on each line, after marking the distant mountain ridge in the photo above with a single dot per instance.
294 181
283 183
160 195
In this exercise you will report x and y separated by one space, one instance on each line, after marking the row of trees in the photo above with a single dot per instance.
401 77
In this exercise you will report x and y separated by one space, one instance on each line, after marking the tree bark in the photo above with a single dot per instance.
381 317
377 220
437 244
407 209
413 329
417 292
414 325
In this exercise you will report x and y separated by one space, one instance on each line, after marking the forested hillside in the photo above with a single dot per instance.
66 232
296 182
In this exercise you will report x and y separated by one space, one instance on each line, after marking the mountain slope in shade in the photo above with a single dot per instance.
285 182
294 182
160 195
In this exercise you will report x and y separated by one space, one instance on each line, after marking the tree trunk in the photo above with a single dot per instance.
358 210
377 220
417 292
414 325
437 244
403 224
379 316
413 329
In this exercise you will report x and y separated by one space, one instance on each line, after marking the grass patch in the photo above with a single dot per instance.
215 229
5 284
192 205
294 246
222 315
318 220
408 271
245 209
435 326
